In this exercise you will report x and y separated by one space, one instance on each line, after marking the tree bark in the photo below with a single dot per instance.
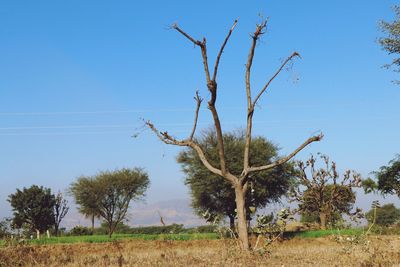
56 229
242 220
92 224
322 219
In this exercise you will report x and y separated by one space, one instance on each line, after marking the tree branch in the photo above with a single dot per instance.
196 116
194 41
285 159
203 46
250 109
168 139
222 50
295 54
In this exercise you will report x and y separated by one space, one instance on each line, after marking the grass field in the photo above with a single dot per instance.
323 233
323 251
116 237
182 237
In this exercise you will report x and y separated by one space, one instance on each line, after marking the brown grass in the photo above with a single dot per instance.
378 251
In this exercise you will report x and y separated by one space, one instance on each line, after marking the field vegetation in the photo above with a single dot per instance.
322 251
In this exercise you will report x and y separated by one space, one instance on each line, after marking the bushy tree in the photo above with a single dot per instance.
213 194
84 192
321 191
34 207
387 179
110 193
385 216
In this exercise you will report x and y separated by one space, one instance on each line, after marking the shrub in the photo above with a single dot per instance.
80 230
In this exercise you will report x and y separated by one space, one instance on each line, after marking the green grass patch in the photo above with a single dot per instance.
322 233
105 238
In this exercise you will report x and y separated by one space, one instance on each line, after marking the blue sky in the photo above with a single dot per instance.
77 77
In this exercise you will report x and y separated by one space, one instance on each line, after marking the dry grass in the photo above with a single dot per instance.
378 251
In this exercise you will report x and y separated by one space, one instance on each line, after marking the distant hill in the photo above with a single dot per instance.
142 214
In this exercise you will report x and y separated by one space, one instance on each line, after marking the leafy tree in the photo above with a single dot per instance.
320 192
385 216
33 207
111 193
214 194
84 193
391 42
387 179
60 210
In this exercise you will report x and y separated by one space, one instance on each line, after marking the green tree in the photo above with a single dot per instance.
320 191
84 192
214 194
391 42
33 207
111 193
389 177
385 216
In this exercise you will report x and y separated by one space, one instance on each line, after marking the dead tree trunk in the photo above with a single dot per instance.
239 183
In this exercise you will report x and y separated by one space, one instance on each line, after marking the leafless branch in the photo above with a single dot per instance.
203 46
287 158
168 139
295 54
250 109
194 41
196 116
222 50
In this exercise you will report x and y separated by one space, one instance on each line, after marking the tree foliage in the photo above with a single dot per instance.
109 193
321 192
33 207
385 216
389 177
391 42
84 192
215 194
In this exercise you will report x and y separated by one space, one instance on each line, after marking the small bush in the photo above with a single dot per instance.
80 230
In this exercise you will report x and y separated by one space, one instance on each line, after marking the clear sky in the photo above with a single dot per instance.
77 77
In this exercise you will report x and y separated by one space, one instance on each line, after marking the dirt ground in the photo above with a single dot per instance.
375 251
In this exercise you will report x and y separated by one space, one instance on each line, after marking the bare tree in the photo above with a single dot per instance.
239 183
60 210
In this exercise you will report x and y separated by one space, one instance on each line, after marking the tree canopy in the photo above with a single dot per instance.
109 193
214 194
389 177
33 207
